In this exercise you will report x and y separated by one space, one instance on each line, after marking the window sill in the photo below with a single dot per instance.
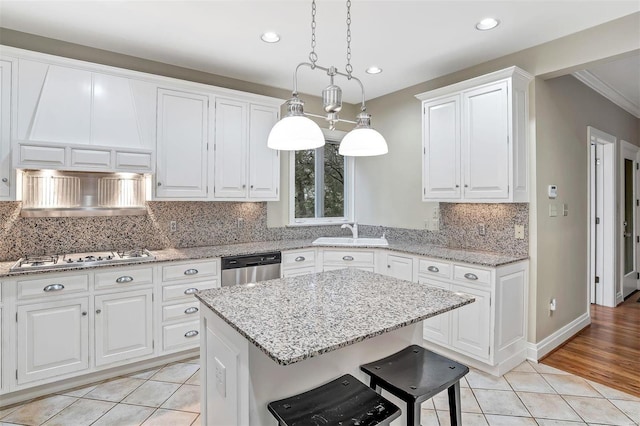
334 222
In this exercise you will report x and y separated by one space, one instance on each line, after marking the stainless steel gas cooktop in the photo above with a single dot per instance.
81 260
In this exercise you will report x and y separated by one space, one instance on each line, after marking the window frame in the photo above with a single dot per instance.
334 137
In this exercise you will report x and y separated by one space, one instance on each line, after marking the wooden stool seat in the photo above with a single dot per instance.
343 401
414 375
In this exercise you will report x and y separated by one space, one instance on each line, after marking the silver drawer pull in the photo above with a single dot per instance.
433 269
191 333
191 310
471 276
347 258
300 259
191 272
124 279
53 287
191 290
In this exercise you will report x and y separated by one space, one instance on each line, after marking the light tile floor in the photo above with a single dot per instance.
531 394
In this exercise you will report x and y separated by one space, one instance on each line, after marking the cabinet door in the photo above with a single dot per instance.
123 323
471 324
231 149
53 339
436 329
264 162
54 104
485 152
182 145
441 151
5 129
399 267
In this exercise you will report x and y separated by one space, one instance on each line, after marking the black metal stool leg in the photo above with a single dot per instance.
455 410
413 414
373 384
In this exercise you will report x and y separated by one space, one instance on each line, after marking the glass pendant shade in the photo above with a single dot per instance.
362 143
295 133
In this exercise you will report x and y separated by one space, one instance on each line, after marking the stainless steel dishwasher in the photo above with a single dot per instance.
250 268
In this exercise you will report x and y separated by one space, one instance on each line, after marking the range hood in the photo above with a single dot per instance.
53 193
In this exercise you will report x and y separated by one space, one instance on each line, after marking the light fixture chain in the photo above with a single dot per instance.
313 56
349 67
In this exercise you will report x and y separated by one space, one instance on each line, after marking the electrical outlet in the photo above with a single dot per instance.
565 209
173 226
553 210
240 223
482 229
519 231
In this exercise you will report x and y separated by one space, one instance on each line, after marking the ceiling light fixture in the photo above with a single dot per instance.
373 70
487 24
297 132
270 37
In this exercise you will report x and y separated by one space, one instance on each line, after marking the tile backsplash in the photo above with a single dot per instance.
211 223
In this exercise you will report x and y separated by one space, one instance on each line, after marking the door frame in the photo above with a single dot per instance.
627 151
605 294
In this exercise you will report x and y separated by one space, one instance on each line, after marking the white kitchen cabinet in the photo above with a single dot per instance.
64 103
474 139
332 259
6 174
123 326
436 329
400 267
181 171
471 324
53 339
245 168
298 262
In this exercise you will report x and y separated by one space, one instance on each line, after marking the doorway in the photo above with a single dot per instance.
602 219
628 220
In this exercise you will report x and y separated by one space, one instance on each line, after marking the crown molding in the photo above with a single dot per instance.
607 91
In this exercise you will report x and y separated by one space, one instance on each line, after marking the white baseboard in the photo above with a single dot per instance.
535 351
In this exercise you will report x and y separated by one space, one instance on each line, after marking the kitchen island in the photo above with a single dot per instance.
268 340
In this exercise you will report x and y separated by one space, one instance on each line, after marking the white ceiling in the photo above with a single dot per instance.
412 41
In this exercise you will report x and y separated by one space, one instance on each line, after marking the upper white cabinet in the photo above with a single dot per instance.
245 168
6 174
474 138
71 105
182 145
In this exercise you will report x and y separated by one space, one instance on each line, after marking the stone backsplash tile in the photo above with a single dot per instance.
210 223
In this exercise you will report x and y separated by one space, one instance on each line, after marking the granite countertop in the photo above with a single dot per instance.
295 318
168 255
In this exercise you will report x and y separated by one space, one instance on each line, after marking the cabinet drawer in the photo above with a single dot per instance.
42 155
124 278
471 275
296 272
91 158
53 286
137 161
190 270
185 291
298 259
431 267
347 258
182 311
183 335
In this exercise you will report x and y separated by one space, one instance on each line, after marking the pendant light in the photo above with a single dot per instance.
297 132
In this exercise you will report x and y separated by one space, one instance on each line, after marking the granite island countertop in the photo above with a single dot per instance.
296 318
176 254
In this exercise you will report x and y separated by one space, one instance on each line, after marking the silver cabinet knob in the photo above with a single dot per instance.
191 290
159 183
244 186
84 314
124 279
471 276
347 258
389 266
5 180
433 269
191 333
251 186
53 287
466 186
191 272
300 259
191 310
98 311
457 186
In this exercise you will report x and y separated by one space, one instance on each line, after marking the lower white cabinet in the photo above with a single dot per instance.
53 339
363 259
400 267
471 324
123 326
436 329
298 262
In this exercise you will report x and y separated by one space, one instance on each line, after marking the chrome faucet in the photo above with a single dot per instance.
354 229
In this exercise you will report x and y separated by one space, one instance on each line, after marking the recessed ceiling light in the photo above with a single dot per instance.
270 37
373 70
487 24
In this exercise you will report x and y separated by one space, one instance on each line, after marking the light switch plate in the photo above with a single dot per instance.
553 210
519 231
565 209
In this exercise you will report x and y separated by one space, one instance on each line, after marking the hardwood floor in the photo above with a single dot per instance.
608 351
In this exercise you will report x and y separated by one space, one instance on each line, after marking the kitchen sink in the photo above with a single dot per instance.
353 242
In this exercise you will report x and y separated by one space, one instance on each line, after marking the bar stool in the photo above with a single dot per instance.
414 375
343 401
